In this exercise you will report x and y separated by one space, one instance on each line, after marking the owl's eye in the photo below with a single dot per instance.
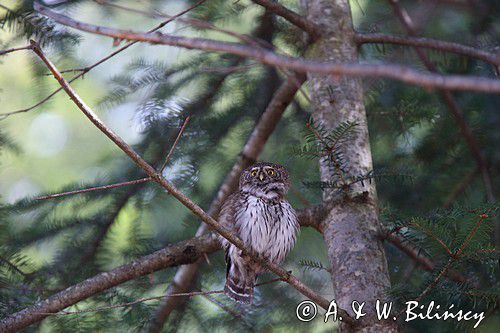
271 172
254 173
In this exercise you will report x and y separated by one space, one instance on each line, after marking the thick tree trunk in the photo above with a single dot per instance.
357 257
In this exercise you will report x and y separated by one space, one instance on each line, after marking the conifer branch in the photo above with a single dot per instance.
423 262
95 188
435 44
402 73
173 255
182 253
146 299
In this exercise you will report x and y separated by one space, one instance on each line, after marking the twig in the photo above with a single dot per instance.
140 300
364 38
155 176
146 299
89 68
429 233
186 121
96 188
197 23
466 242
402 73
15 49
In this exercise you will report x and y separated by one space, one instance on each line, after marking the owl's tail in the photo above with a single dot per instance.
240 281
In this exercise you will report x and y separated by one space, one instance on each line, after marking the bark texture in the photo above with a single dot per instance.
357 257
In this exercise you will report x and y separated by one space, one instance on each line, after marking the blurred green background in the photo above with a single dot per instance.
56 148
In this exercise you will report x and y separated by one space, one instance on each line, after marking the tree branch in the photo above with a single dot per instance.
396 72
364 38
95 188
423 262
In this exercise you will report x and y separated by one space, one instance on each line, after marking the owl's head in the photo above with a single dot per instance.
265 179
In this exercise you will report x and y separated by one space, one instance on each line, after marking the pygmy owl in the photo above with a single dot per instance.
261 217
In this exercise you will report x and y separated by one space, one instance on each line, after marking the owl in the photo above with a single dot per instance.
261 217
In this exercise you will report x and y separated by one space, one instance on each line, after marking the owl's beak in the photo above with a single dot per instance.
261 176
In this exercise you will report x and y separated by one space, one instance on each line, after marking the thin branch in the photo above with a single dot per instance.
431 234
197 23
274 7
365 38
2 52
424 262
137 301
466 242
194 208
89 68
96 188
146 299
402 73
186 121
433 284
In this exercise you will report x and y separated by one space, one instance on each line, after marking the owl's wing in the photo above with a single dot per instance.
227 217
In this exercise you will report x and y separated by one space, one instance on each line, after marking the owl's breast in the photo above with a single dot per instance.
269 229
